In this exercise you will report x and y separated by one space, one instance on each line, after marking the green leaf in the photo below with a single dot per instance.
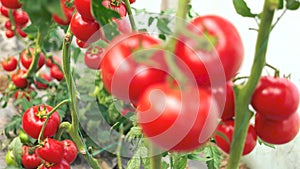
260 142
150 21
162 25
292 4
16 148
214 157
13 125
242 8
179 161
75 54
281 4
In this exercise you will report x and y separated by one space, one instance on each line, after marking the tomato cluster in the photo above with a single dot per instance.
20 18
276 101
50 153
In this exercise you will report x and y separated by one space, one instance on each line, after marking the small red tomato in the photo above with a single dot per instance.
4 11
26 58
41 85
118 6
51 151
8 25
30 160
70 151
275 98
9 33
85 30
277 132
19 80
25 93
55 59
9 64
131 1
61 165
21 18
68 12
56 73
34 118
11 4
225 129
21 33
82 44
93 57
84 8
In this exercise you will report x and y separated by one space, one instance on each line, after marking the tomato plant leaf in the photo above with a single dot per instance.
178 161
242 8
214 157
162 25
13 125
150 20
292 4
261 142
16 148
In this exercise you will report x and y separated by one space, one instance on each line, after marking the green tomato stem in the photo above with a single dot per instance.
244 95
130 15
118 151
73 131
64 126
155 157
48 117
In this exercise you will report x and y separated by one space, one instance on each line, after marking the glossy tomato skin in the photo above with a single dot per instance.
118 65
19 80
33 120
120 7
8 25
131 1
85 30
275 98
70 151
93 57
41 85
26 58
9 33
82 44
68 12
9 64
52 151
30 161
171 119
61 165
277 132
21 18
11 4
226 129
84 8
55 59
4 11
216 65
56 73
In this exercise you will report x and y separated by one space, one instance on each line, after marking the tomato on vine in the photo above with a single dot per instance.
9 159
49 62
34 118
19 80
93 57
56 73
9 64
41 85
70 151
26 58
11 4
21 18
224 137
30 160
9 33
68 13
84 8
116 5
82 44
61 165
51 150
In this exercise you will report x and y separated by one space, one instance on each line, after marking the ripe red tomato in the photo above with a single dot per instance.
19 80
21 18
93 57
52 150
61 165
68 13
56 73
9 33
225 99
275 98
21 33
41 85
85 30
24 93
210 65
84 8
55 59
30 160
226 128
118 6
177 120
70 151
4 11
26 58
34 118
11 4
131 1
119 65
8 25
277 132
9 64
82 44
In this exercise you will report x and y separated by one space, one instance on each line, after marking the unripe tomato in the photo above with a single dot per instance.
34 118
9 159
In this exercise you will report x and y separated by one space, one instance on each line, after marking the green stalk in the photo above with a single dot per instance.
131 19
73 131
155 157
48 117
242 115
64 126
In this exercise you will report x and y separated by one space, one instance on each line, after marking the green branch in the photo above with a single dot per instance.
244 95
130 15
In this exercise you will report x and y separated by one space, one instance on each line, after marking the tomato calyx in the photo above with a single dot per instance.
116 3
42 113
